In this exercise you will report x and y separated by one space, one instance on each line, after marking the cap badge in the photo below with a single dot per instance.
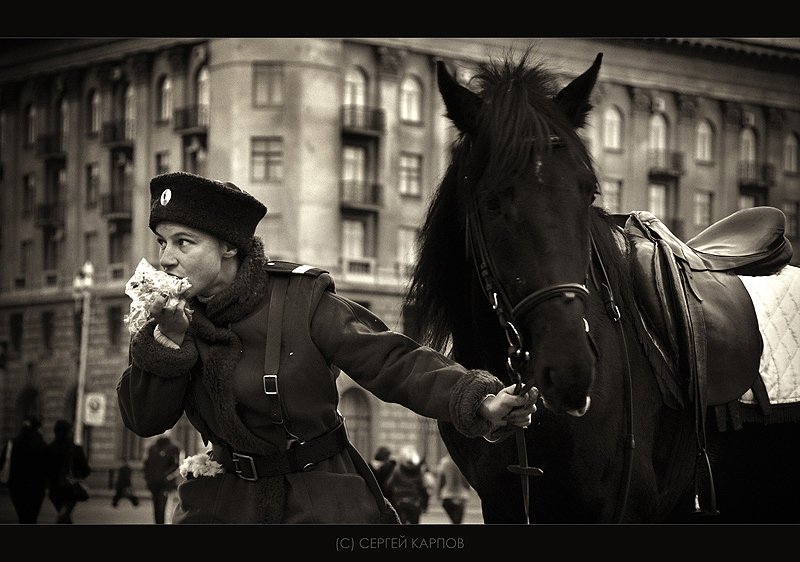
166 195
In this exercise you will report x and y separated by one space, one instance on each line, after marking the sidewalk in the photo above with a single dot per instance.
98 511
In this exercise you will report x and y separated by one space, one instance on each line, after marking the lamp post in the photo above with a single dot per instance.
82 293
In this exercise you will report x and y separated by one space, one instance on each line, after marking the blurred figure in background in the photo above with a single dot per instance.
453 489
27 483
382 466
406 487
123 487
161 474
66 468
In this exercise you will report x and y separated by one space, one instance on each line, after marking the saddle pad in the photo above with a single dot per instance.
776 299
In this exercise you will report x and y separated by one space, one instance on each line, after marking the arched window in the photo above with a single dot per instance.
790 148
612 129
704 142
658 132
203 96
411 100
165 99
355 87
63 124
30 125
747 145
129 112
93 112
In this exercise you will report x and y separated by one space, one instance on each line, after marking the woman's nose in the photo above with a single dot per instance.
167 257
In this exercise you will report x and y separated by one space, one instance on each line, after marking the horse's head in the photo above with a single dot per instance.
528 183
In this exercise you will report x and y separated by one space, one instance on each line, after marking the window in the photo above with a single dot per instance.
611 195
165 99
410 174
114 325
411 100
355 88
406 248
203 97
52 249
704 139
792 211
30 125
93 113
92 184
28 194
354 173
129 112
25 260
790 148
90 247
119 244
63 124
658 133
747 145
702 208
15 322
48 328
266 159
267 85
657 201
162 162
353 238
612 129
746 201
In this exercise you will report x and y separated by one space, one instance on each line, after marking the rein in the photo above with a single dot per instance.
517 356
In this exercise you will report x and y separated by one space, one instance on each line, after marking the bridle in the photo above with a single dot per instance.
517 356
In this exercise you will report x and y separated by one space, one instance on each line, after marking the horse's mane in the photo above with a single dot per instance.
440 284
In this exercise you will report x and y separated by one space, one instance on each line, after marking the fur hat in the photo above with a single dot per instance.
219 208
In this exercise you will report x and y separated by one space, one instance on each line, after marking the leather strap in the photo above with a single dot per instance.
298 458
272 351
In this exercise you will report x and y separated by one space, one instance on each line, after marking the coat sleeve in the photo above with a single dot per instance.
397 369
151 391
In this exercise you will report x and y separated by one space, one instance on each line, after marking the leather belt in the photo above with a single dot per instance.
298 458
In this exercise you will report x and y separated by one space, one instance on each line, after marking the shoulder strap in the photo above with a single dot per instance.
272 351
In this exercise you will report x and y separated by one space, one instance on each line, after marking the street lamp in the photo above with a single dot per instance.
82 293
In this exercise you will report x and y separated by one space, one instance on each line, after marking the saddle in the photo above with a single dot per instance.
697 312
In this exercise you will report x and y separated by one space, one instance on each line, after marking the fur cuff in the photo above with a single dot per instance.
467 395
152 357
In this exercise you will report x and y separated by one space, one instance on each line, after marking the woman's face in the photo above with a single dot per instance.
196 255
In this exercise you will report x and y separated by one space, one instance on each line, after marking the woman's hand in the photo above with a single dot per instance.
509 408
172 319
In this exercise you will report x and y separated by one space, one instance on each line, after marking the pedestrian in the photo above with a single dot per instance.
66 468
453 489
250 352
382 465
161 474
27 482
406 487
123 486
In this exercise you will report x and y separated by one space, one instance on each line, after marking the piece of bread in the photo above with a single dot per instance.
144 286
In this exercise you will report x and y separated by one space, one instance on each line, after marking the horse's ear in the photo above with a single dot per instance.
462 105
574 98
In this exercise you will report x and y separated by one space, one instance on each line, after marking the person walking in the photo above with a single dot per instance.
66 467
123 486
161 474
406 487
27 481
249 350
453 489
382 465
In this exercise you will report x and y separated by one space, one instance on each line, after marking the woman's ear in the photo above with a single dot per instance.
229 250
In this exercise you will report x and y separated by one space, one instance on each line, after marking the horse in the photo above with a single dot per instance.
521 274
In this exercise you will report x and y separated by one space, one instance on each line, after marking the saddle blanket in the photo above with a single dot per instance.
776 299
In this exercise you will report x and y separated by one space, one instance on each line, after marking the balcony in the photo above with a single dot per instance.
665 163
50 214
754 174
117 205
190 120
51 147
361 195
359 270
362 120
119 133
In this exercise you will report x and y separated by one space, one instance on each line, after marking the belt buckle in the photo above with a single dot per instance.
236 458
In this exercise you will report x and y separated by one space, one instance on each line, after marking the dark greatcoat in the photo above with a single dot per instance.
216 379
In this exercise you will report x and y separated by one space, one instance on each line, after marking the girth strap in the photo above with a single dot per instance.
299 457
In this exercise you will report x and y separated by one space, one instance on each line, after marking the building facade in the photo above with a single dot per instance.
345 141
